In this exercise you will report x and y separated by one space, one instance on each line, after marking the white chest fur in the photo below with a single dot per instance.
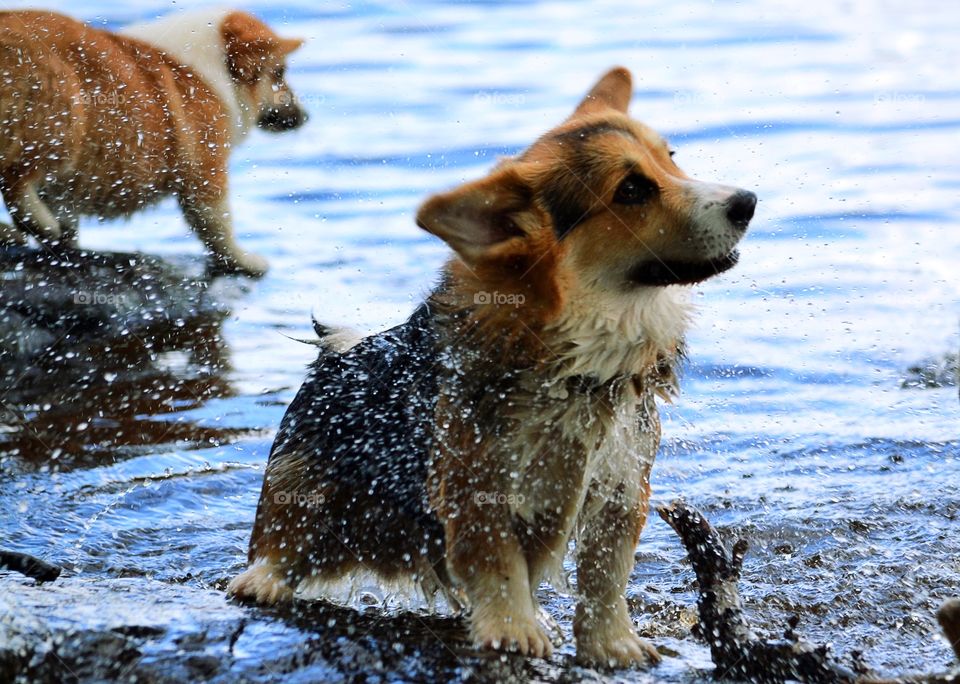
606 334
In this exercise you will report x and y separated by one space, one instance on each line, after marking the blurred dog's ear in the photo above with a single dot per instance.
250 44
612 91
476 218
288 45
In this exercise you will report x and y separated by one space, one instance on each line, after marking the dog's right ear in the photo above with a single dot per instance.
612 91
478 218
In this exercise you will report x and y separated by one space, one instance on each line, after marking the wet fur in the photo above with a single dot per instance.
516 410
103 124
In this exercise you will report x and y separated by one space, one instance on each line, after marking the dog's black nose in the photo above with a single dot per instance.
279 119
740 208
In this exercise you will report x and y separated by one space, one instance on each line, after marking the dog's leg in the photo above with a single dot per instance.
483 552
485 556
602 626
69 227
10 236
264 581
210 219
29 213
278 547
58 198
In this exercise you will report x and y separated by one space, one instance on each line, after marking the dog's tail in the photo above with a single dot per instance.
332 339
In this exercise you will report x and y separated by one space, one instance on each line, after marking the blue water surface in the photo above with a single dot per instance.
792 428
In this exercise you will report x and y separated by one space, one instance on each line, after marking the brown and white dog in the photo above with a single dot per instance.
102 124
515 410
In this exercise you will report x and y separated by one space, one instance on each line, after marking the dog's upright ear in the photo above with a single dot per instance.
478 219
288 45
612 91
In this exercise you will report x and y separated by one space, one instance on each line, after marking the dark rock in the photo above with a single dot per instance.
28 565
943 371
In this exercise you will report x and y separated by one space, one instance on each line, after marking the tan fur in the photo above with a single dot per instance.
263 581
103 124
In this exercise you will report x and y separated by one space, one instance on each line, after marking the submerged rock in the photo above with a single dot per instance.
28 565
943 371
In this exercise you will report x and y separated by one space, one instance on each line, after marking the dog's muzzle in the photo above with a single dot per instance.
282 118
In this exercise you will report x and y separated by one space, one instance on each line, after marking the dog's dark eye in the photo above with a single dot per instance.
279 72
635 189
672 152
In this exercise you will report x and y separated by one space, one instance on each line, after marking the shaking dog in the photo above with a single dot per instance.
516 410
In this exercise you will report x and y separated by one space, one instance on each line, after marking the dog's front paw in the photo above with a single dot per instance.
502 631
244 263
10 236
621 649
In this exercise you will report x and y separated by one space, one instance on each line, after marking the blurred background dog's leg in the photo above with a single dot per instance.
29 213
11 236
212 223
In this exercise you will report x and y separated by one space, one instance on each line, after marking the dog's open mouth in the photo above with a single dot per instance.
664 273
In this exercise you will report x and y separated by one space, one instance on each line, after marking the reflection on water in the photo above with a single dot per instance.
792 429
88 416
103 353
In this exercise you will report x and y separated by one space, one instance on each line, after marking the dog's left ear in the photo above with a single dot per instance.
612 91
479 217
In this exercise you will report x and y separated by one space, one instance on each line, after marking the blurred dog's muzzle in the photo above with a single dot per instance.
284 118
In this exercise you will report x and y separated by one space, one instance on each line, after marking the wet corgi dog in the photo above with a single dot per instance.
515 411
102 124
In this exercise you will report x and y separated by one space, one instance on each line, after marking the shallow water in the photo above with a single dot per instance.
792 429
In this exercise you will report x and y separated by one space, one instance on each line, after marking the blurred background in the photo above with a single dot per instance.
801 424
